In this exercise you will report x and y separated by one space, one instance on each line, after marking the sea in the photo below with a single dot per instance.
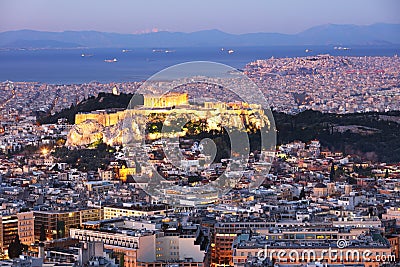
68 66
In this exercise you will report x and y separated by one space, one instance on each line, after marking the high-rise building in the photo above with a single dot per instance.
26 229
224 236
8 231
56 224
129 210
293 247
142 243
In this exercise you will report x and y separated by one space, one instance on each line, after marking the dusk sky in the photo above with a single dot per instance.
127 16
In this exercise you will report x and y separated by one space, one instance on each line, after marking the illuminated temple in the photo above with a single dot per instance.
165 101
111 117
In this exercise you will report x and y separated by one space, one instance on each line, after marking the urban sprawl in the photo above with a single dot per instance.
68 199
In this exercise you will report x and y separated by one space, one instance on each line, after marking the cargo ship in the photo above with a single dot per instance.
111 60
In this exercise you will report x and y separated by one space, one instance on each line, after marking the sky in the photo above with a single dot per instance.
232 16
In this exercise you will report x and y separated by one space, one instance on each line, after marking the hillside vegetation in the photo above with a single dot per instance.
372 136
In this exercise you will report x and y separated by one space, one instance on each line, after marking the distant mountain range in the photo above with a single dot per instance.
330 34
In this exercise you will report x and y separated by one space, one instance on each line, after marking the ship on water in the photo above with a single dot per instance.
341 48
230 51
111 60
163 51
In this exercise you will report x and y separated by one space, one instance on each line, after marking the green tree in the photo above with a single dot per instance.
332 173
42 236
15 248
121 261
60 229
302 194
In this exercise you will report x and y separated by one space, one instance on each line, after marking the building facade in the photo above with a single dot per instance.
26 227
8 231
56 224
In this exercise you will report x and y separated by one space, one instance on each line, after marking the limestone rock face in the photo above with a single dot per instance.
112 135
90 131
84 134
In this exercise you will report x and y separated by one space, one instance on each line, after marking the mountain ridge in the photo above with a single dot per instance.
327 34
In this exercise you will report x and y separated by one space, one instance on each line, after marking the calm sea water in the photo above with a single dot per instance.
68 66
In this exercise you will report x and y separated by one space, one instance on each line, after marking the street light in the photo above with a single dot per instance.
44 151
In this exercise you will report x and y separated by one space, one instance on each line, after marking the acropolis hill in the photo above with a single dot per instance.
108 124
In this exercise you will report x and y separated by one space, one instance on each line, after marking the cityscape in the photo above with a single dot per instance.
281 161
